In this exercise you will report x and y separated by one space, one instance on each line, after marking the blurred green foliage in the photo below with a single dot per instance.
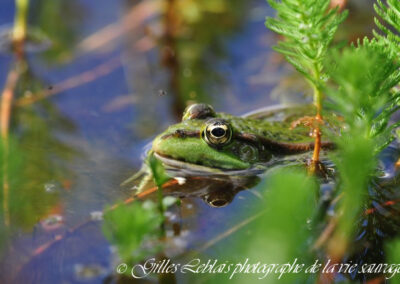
60 21
280 233
364 77
133 229
393 251
195 41
157 170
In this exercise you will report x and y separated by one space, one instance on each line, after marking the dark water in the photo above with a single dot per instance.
111 85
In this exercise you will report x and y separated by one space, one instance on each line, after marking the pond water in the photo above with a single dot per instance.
115 74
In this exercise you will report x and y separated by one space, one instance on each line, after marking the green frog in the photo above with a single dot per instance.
215 143
223 141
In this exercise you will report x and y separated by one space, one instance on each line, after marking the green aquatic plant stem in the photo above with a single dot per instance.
21 19
160 177
318 118
308 27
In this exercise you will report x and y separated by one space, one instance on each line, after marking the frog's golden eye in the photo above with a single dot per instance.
217 132
198 111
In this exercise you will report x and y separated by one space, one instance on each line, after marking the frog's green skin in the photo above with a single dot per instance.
253 141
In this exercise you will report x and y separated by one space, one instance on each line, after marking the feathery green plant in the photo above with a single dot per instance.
366 75
309 27
362 76
390 13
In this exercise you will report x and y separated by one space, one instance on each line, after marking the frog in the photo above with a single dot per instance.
216 143
223 141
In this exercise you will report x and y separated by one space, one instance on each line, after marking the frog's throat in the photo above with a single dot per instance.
277 147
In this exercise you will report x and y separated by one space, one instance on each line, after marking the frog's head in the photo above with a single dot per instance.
207 138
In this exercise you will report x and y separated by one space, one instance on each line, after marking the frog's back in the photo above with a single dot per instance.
272 130
278 124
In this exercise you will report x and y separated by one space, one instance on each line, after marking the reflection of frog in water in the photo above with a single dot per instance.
212 145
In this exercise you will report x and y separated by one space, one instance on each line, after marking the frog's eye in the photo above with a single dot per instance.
217 132
198 111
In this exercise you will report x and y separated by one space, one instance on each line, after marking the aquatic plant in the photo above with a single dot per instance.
283 226
357 75
359 84
21 19
136 229
393 251
308 27
390 14
130 227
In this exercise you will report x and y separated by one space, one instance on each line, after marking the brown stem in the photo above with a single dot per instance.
317 131
317 134
5 114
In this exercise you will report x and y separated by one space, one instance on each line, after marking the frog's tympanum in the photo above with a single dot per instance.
223 141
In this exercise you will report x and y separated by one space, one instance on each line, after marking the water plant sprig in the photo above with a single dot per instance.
362 77
390 14
309 27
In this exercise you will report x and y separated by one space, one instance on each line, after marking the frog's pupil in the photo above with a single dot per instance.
218 132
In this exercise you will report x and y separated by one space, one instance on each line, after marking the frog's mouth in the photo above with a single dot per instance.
194 151
191 168
181 164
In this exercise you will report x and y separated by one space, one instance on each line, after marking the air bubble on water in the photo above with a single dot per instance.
52 222
179 242
148 204
170 216
96 215
162 92
184 233
50 187
180 180
88 271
